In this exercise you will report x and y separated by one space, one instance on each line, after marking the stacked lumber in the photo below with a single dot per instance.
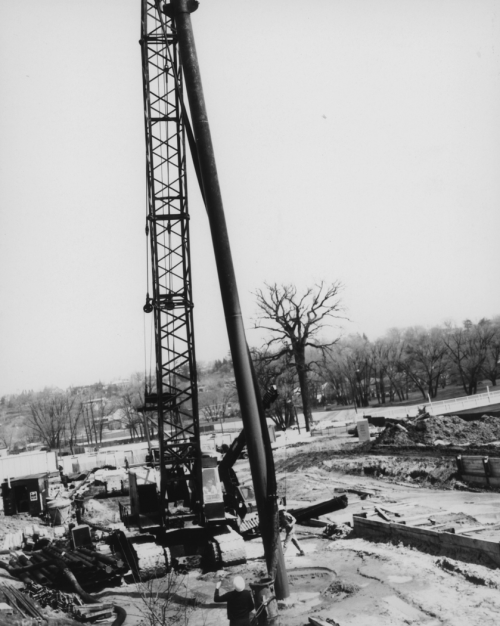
52 598
20 604
89 613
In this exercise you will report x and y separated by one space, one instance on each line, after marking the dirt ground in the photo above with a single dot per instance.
350 581
353 581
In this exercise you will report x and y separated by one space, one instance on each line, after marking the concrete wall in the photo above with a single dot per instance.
26 464
134 453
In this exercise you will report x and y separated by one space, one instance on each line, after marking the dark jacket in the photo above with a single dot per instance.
239 603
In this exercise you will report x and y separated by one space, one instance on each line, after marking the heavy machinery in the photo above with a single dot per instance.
187 506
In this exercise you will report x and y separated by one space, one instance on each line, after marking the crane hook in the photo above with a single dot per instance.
148 307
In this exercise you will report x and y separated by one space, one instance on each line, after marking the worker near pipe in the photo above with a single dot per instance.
287 523
239 602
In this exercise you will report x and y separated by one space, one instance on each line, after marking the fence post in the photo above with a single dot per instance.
430 402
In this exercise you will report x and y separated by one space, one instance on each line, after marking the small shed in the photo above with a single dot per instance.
27 494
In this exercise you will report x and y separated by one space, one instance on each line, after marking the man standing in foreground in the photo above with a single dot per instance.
239 602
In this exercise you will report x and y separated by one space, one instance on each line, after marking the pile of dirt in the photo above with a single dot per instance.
423 471
448 429
340 588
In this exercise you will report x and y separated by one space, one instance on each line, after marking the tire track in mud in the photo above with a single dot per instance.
404 598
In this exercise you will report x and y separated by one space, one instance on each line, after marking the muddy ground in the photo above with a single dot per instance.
350 581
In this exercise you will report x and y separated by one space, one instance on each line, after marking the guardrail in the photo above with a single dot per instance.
438 408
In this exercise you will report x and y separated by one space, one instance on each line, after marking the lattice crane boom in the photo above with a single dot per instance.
171 301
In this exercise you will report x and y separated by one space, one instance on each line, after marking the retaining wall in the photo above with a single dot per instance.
457 547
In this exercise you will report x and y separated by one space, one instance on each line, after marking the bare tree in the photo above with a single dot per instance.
467 348
166 600
426 359
6 436
491 366
221 409
95 411
131 400
72 424
282 374
354 360
394 351
49 416
295 322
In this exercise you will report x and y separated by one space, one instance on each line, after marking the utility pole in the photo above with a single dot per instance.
180 11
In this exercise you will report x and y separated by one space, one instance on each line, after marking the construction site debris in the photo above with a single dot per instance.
337 531
52 598
28 537
442 430
317 621
340 588
20 604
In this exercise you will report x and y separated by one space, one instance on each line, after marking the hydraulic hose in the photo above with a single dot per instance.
121 614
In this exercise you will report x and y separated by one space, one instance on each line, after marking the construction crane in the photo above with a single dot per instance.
170 67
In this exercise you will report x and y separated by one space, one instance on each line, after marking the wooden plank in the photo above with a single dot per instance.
368 526
474 465
472 529
447 527
382 514
483 480
411 531
390 511
471 543
368 522
494 467
414 518
443 541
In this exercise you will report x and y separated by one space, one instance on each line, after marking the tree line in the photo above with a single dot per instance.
355 370
299 361
62 419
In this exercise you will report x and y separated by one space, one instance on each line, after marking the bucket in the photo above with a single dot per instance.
266 609
59 511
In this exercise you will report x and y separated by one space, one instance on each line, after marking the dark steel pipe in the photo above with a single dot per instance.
121 614
226 273
108 560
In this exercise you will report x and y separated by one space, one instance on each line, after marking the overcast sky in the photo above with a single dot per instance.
356 140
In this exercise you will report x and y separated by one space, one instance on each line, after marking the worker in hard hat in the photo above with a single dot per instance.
239 602
287 523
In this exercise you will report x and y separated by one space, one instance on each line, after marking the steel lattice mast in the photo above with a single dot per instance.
176 400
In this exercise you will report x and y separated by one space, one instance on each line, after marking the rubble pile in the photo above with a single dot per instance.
444 430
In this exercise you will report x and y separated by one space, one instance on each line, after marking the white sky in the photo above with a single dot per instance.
355 139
